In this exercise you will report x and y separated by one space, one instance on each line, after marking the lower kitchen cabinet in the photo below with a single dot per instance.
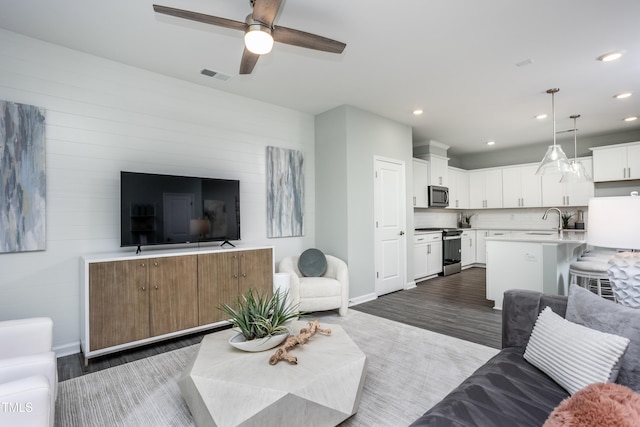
427 254
468 247
129 301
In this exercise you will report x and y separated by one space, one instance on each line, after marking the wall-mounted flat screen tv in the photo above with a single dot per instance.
167 209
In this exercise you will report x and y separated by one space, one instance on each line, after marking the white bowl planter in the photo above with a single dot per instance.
258 344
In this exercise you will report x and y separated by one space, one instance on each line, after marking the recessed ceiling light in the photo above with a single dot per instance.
631 119
417 112
491 143
611 56
541 116
622 95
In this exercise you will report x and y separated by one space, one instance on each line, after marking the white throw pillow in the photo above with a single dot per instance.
573 355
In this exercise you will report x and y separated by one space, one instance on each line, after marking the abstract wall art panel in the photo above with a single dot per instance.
22 178
285 192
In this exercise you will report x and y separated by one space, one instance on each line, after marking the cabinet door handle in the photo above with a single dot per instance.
414 200
156 287
568 202
244 274
235 276
628 172
155 264
142 265
428 249
143 288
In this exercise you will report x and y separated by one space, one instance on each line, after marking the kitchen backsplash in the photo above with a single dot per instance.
494 218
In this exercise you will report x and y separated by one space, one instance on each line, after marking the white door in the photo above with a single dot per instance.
390 225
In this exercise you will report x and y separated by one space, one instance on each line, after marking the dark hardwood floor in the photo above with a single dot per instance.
453 305
73 366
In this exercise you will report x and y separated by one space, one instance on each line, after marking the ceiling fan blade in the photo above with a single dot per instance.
248 61
200 17
307 40
265 11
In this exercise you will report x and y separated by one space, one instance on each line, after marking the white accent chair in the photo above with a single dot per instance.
328 292
28 373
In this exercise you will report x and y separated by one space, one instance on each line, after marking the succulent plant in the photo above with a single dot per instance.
257 315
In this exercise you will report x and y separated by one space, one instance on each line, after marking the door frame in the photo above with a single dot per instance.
402 208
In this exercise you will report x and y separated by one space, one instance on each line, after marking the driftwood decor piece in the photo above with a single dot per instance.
293 340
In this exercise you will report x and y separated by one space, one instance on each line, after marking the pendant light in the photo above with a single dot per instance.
577 172
554 160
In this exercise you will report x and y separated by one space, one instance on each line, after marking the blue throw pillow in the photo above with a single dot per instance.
312 263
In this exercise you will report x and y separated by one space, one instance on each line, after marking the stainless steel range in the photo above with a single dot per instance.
451 249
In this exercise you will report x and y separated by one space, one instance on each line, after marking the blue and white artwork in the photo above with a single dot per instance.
22 178
285 192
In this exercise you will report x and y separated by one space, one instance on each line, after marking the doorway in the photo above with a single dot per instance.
390 225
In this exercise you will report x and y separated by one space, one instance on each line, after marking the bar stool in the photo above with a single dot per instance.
597 254
591 272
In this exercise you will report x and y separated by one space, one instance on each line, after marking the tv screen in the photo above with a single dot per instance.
167 209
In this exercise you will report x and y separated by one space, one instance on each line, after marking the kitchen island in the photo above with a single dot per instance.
533 260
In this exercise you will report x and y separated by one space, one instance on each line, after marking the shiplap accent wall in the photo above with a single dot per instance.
103 117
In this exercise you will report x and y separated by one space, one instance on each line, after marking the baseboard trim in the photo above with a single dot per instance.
410 285
67 349
362 299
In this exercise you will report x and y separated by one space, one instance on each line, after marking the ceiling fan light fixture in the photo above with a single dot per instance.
258 39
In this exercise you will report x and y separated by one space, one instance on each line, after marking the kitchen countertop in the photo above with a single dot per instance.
546 236
576 232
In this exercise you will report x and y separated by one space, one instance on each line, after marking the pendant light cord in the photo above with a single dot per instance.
553 111
575 137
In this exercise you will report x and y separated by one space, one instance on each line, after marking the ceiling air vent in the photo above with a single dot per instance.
215 74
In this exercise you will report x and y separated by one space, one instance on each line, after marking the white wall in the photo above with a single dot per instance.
103 117
360 136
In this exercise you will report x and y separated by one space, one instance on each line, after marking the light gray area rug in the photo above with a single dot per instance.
409 370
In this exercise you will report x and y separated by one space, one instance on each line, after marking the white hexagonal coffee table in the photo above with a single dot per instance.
224 386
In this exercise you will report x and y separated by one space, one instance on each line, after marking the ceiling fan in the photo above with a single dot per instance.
259 25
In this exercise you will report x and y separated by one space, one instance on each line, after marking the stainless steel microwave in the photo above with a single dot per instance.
438 196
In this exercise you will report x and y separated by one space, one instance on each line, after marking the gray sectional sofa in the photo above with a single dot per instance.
507 390
510 391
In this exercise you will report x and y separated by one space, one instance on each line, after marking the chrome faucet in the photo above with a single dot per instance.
559 218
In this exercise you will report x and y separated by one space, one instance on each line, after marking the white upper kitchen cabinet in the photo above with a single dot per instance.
438 170
485 188
420 183
616 162
521 187
555 193
458 189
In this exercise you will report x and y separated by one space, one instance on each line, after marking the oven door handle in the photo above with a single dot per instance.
452 238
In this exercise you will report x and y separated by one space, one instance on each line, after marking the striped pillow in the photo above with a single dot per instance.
571 354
